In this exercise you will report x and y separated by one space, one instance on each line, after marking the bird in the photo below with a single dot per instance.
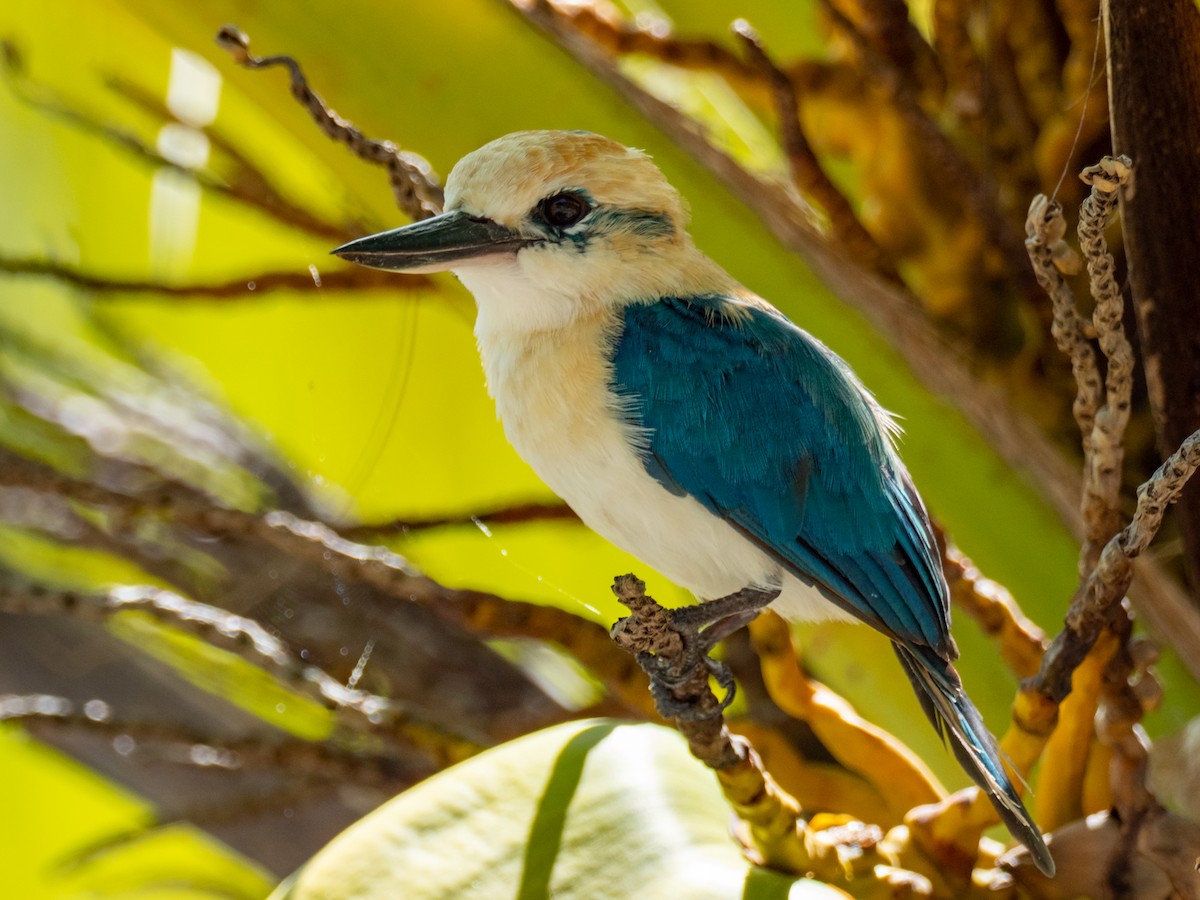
686 419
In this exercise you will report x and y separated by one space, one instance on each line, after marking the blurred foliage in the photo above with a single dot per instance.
357 402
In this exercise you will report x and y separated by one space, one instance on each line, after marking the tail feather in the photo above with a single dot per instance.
952 713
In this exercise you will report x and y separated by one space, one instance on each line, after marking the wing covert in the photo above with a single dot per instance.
770 430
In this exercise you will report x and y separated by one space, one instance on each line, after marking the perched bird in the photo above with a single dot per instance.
685 418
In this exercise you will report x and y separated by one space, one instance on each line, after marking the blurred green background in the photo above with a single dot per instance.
375 401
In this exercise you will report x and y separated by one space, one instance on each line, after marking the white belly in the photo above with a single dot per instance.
559 414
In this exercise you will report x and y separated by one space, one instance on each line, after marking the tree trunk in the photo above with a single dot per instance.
1154 91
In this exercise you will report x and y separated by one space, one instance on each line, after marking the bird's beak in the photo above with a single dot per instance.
434 245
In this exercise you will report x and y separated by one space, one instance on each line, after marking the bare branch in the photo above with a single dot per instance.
318 760
307 284
413 183
507 515
781 838
253 643
1052 258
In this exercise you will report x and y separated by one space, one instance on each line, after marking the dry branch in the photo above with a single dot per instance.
308 285
1102 468
413 183
479 612
370 713
1101 595
1052 258
326 761
780 837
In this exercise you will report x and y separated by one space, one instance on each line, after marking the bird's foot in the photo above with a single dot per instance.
682 691
672 646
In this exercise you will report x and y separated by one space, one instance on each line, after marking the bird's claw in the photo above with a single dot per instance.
672 647
669 679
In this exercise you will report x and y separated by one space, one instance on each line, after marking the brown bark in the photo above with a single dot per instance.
1154 89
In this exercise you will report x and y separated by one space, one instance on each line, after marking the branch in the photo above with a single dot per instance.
308 285
480 613
249 640
1052 258
318 760
781 837
1105 587
413 183
519 514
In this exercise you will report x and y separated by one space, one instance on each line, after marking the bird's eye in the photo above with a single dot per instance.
563 210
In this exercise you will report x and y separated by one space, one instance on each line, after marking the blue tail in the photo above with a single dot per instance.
952 713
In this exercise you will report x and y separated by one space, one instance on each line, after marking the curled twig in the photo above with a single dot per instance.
413 183
1102 473
1052 258
1106 586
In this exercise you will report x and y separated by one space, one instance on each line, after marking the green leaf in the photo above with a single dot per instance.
583 810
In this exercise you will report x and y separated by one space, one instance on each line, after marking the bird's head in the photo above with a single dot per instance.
543 226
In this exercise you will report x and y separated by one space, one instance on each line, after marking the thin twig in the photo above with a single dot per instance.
307 285
414 185
1052 258
519 514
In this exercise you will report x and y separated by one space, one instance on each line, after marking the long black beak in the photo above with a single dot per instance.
433 245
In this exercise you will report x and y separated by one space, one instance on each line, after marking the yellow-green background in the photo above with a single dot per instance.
378 401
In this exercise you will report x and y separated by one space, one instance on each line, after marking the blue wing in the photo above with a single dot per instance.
769 430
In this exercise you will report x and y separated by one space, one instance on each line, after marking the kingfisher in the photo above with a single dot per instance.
686 419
